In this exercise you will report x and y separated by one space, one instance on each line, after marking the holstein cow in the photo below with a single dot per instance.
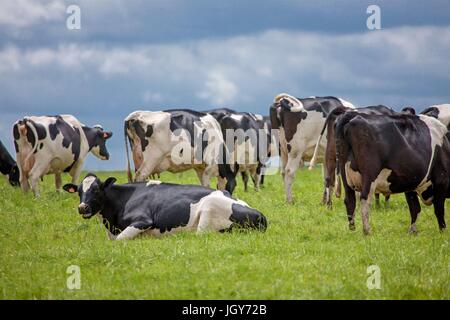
156 208
175 141
244 133
440 112
393 154
8 166
330 162
53 145
300 122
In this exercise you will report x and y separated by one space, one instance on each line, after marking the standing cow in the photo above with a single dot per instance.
156 208
398 153
8 166
300 122
177 140
330 162
53 145
244 133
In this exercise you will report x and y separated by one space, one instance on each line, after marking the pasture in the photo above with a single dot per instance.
306 253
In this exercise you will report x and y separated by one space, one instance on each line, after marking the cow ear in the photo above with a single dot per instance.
70 187
107 135
108 182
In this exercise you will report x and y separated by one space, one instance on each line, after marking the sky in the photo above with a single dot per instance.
159 54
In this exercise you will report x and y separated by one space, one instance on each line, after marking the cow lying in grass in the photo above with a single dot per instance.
155 208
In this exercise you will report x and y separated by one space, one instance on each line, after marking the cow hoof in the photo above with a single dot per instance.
366 232
289 201
352 227
412 230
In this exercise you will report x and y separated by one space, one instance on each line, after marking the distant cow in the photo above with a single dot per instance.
156 208
55 144
246 133
8 166
440 112
300 122
175 141
330 162
398 153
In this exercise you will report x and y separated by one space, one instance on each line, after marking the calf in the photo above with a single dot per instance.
175 141
300 122
155 208
244 133
53 145
398 153
440 112
8 166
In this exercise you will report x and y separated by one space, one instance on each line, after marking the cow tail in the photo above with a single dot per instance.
129 174
331 116
30 125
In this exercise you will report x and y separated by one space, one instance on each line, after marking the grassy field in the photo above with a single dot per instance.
306 253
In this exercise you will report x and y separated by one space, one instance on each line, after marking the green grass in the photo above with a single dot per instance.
306 253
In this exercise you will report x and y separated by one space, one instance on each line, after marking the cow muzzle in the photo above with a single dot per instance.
85 210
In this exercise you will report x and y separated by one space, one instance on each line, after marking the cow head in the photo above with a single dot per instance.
14 176
92 194
97 142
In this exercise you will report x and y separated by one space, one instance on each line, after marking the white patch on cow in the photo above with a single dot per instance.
237 117
87 183
444 113
346 103
129 233
437 133
380 185
152 182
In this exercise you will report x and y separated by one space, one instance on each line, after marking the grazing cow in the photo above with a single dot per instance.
8 166
440 112
175 141
397 153
243 132
300 122
155 208
55 144
330 162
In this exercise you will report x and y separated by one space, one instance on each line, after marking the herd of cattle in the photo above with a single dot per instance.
373 150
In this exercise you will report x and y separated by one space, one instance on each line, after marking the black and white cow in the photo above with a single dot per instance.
330 162
156 208
299 122
177 140
440 112
398 153
8 166
53 145
244 133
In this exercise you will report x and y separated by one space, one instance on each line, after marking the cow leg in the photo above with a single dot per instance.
24 184
414 209
439 205
58 181
130 232
328 174
368 189
377 200
75 172
39 169
255 177
289 175
386 200
244 175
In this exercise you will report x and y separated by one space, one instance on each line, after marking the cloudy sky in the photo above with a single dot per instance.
161 54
